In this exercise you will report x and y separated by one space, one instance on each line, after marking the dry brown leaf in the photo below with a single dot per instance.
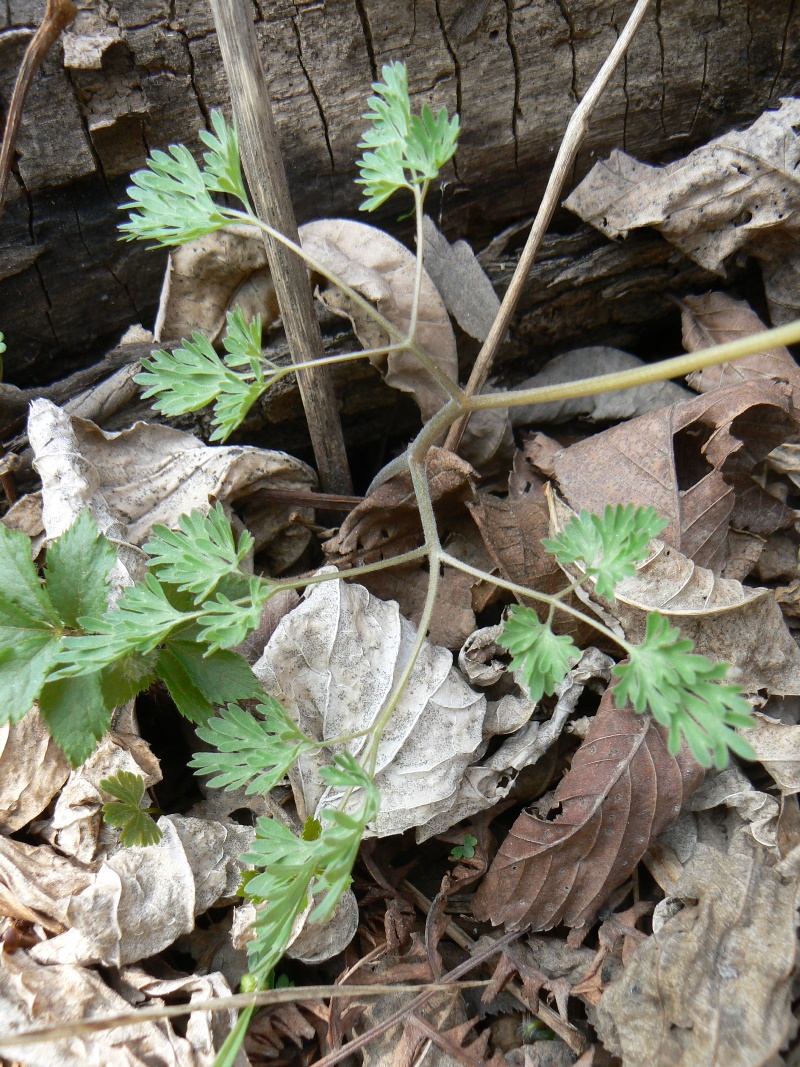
622 790
32 770
603 407
716 319
712 987
381 269
692 462
737 193
462 282
454 618
777 747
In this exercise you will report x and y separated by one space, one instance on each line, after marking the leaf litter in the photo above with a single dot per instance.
571 801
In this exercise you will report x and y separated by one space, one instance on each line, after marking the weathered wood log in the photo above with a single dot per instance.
142 74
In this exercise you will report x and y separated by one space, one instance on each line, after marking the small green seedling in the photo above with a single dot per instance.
466 851
125 812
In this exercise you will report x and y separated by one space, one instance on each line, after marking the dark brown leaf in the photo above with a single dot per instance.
692 462
716 319
622 790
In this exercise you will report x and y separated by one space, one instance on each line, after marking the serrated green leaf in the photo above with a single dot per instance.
539 657
250 751
684 692
128 676
76 715
197 682
402 150
23 671
610 546
25 607
197 556
79 564
137 825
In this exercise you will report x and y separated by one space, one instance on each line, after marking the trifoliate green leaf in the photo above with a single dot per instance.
683 692
197 556
224 623
610 546
137 824
77 715
79 564
30 629
223 170
295 868
251 752
402 150
197 682
465 851
171 201
539 657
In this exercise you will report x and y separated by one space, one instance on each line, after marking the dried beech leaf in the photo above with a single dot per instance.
712 988
462 282
381 269
32 770
604 407
737 193
716 319
210 276
692 462
453 620
622 790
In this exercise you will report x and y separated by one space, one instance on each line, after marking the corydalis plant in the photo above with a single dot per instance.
683 691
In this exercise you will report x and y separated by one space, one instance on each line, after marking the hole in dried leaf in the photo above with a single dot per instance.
691 466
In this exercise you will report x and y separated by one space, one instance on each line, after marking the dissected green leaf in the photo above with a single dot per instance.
403 150
79 564
610 546
250 751
187 379
76 714
294 868
683 692
224 623
539 657
137 825
200 554
223 170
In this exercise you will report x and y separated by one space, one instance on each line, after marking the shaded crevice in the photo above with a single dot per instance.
562 7
662 64
749 43
702 90
35 265
105 266
313 90
512 47
456 70
363 18
784 42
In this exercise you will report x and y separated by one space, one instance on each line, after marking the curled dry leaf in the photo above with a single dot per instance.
141 900
716 319
712 988
692 462
153 474
32 770
737 193
777 747
748 808
34 996
333 663
622 790
604 407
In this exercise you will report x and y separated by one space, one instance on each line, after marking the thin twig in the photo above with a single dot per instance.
575 132
58 15
266 175
566 1031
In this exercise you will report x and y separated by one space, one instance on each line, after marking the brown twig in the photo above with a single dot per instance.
266 176
57 16
575 132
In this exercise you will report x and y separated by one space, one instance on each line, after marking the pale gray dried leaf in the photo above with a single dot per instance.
731 788
712 988
32 770
333 662
777 748
317 942
208 277
141 899
462 282
150 474
737 193
37 884
603 407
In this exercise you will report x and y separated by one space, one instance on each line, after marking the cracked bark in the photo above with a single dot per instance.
68 288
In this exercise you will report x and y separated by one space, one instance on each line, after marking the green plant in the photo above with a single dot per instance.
465 851
137 825
197 602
